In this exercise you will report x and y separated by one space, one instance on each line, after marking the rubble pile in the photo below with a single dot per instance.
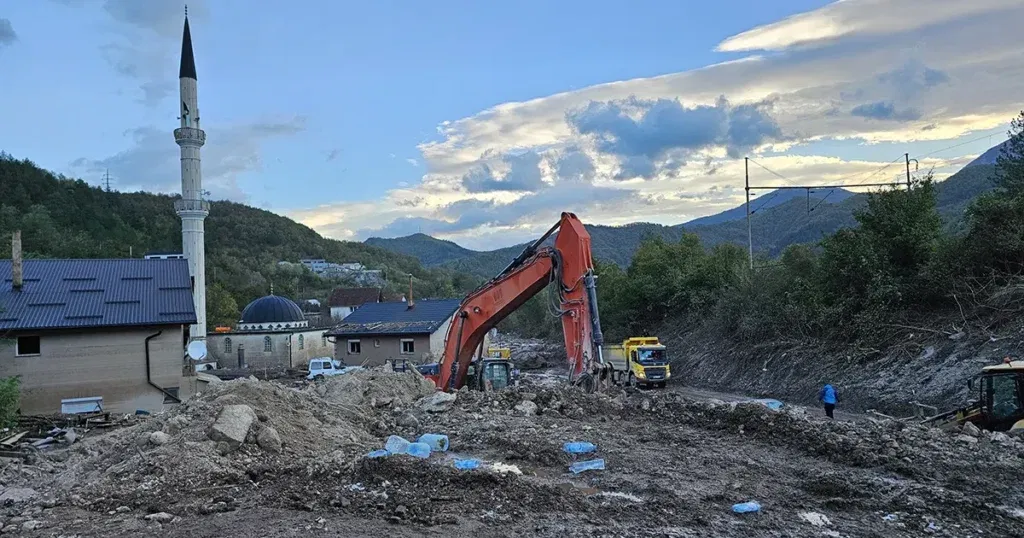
375 388
534 354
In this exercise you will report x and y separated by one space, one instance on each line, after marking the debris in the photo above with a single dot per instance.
467 464
32 525
269 440
379 453
160 517
774 405
505 468
418 450
589 465
232 425
526 408
581 447
1001 438
890 517
12 440
967 439
438 402
971 429
816 519
747 507
437 442
159 438
396 445
408 420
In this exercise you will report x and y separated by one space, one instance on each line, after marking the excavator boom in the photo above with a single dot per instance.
568 266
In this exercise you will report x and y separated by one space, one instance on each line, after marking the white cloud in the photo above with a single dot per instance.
152 162
7 34
855 71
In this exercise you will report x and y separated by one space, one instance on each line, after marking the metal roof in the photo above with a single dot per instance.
396 318
64 294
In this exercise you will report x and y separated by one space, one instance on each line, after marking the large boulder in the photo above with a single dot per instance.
269 440
438 402
232 425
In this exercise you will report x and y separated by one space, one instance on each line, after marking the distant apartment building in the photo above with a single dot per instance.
356 272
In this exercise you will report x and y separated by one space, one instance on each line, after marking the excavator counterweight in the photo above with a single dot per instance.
569 267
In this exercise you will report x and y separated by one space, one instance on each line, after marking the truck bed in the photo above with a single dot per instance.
615 356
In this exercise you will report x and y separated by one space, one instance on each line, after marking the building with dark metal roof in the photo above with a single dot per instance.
344 301
378 332
67 294
95 334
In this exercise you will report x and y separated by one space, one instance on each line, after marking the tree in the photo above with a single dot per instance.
1010 163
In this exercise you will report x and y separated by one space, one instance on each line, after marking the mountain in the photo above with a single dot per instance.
65 218
770 200
990 156
781 222
429 250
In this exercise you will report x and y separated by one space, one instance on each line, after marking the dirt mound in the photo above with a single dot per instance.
374 388
151 464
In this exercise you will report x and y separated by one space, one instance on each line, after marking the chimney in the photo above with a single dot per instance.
409 301
17 271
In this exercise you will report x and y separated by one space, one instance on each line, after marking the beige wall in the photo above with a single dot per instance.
107 363
375 350
285 349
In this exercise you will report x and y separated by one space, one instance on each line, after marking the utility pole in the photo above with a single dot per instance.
907 155
750 236
106 179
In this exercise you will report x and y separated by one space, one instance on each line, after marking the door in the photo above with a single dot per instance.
1006 405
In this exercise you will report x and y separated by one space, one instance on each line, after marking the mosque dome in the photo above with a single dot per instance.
271 313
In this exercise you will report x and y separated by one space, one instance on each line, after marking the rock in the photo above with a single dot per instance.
69 436
1001 438
645 405
408 420
159 438
269 440
232 425
970 429
123 509
526 408
223 448
401 511
438 402
160 517
17 495
32 524
261 415
967 439
528 396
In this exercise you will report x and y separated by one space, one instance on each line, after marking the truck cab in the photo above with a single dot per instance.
489 373
638 361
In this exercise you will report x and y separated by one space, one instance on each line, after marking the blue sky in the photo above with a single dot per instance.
480 121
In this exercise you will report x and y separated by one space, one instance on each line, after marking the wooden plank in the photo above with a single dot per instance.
10 441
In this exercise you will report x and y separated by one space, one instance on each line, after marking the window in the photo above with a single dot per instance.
354 348
323 340
170 391
376 342
1004 396
302 343
408 347
227 345
27 345
267 346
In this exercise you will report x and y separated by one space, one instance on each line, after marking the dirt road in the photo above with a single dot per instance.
675 465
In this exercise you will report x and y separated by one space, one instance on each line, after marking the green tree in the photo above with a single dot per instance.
221 308
1010 163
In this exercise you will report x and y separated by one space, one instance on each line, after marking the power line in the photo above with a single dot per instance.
770 171
988 136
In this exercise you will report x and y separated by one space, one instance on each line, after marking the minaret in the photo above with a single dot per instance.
192 208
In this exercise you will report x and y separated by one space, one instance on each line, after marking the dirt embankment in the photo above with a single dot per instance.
929 363
257 458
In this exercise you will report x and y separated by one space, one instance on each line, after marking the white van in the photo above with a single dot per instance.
326 367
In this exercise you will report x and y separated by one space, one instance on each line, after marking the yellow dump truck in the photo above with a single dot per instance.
639 360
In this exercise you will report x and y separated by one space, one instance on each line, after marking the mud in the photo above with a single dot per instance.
674 467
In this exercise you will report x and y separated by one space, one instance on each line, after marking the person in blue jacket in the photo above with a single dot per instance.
828 396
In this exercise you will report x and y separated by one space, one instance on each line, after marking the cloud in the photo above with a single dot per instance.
7 34
333 154
523 175
914 70
153 161
647 134
857 17
413 162
882 110
145 42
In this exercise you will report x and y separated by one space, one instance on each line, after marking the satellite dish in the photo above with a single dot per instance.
197 350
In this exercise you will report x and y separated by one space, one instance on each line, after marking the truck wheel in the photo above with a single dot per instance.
631 380
661 385
318 377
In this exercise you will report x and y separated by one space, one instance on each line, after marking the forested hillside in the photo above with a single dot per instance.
65 218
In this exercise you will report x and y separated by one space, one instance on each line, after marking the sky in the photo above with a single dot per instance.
480 122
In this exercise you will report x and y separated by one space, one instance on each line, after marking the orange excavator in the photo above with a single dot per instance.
569 267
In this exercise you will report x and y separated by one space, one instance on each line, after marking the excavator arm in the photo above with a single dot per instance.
568 266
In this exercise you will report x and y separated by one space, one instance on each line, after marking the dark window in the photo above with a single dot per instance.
172 391
302 343
28 345
408 347
354 347
323 340
227 345
267 346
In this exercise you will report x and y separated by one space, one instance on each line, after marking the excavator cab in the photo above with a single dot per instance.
1001 395
489 374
